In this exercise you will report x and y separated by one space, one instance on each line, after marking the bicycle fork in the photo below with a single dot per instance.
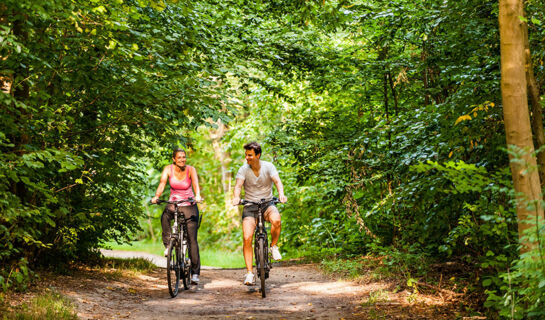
178 234
262 234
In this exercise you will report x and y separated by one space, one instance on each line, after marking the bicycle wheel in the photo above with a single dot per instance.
173 268
186 265
261 263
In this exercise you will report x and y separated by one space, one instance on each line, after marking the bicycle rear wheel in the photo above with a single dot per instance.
173 268
261 263
186 265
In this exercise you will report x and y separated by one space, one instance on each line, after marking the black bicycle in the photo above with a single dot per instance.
261 244
178 259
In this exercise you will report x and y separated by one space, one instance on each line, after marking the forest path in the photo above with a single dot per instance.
296 291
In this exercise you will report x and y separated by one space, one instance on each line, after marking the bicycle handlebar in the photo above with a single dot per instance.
274 200
175 202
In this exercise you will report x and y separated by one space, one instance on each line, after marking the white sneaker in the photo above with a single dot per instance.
249 280
195 279
276 253
166 252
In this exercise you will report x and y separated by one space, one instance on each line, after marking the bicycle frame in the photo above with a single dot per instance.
179 242
260 237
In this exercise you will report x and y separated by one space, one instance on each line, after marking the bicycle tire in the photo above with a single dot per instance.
261 264
186 265
173 268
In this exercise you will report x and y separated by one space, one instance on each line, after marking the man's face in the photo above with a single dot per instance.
251 158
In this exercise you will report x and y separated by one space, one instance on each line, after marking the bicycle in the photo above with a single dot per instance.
178 259
261 244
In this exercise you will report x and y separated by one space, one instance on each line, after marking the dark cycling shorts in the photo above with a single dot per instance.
252 210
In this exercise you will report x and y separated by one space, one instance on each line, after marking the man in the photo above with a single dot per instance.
257 177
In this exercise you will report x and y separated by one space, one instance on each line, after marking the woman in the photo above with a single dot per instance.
182 178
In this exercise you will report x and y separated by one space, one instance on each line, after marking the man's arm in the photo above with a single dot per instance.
236 192
279 188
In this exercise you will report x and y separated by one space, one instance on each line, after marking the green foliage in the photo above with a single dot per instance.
49 306
388 128
132 264
95 88
16 276
519 291
383 118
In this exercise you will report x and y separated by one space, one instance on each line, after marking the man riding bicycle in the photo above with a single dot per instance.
257 177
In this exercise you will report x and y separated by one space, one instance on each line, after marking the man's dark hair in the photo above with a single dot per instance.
253 146
176 150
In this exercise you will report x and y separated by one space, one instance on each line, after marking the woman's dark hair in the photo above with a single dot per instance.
253 146
175 152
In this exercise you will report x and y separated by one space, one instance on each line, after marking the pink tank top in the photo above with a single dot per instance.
180 189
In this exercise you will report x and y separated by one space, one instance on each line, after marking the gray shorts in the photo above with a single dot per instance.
252 210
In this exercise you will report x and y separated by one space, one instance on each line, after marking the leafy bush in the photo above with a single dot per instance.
519 291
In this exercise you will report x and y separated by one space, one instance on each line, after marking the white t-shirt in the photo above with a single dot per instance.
257 188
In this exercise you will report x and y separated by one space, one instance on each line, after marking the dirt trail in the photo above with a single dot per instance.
294 292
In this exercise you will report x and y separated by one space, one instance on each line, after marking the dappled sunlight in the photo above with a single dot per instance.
219 284
147 277
181 300
328 288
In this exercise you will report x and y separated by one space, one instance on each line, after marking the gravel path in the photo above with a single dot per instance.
297 291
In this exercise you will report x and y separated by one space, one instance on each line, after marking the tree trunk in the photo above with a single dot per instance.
224 158
537 111
394 93
517 118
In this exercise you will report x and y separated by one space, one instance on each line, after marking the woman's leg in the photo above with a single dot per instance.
166 217
191 214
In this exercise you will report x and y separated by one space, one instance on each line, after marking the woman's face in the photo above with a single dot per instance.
180 159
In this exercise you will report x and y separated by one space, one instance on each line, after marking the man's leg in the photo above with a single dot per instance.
248 228
273 216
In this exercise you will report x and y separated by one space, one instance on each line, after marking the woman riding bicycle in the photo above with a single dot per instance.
184 183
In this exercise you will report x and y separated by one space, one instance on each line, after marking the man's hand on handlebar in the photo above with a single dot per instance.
283 198
236 201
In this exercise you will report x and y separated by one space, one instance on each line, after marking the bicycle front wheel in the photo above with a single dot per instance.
186 265
173 268
261 263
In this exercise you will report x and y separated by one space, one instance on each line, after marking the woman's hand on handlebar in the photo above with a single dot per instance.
154 200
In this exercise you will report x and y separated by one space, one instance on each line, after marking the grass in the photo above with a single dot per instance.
48 306
376 297
209 257
347 268
131 264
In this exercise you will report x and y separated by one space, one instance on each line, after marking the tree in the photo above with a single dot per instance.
516 115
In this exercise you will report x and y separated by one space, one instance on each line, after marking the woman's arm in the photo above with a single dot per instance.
162 184
195 182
